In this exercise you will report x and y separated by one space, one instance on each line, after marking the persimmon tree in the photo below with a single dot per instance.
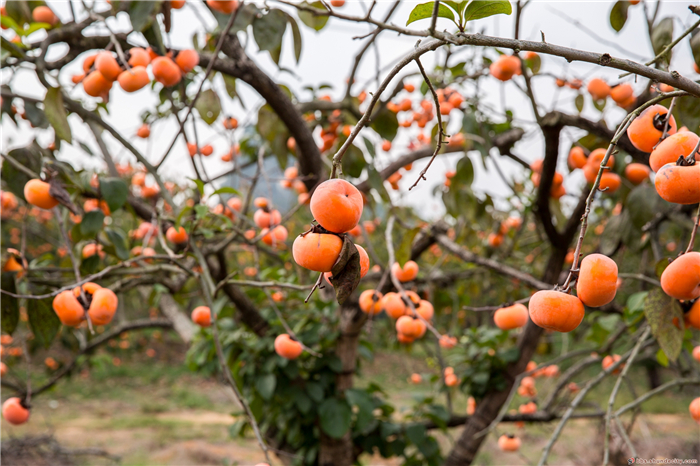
288 304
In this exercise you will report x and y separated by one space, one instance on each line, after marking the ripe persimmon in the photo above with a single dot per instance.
611 359
598 89
645 131
36 192
694 407
495 240
264 219
577 157
509 443
408 326
621 93
407 273
681 279
68 309
609 182
275 236
597 280
555 310
505 67
425 309
287 347
103 306
668 150
337 3
14 411
336 205
178 236
91 249
223 6
317 251
679 184
696 353
134 79
177 4
636 173
371 302
201 315
95 85
393 305
187 60
416 378
364 260
448 342
107 65
166 71
508 318
138 57
451 380
44 14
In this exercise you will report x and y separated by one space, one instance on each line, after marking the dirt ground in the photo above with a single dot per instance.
164 415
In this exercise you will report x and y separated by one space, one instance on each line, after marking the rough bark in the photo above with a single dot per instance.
339 452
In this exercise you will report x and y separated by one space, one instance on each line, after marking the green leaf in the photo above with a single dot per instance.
154 37
9 306
425 10
403 252
209 106
661 358
464 174
42 320
35 115
296 35
635 302
142 14
114 191
118 240
315 391
479 9
200 185
230 83
695 47
226 190
579 102
618 14
265 385
665 317
268 30
15 180
617 228
335 416
354 162
56 114
661 36
91 223
644 203
688 110
315 22
365 407
385 123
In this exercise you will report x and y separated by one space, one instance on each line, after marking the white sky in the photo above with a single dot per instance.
327 58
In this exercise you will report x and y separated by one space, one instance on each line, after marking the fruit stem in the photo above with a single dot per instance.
691 243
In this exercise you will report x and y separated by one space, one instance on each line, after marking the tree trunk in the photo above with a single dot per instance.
467 446
340 452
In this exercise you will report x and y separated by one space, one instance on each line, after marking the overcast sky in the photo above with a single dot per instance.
327 57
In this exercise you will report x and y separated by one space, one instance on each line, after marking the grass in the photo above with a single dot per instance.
153 412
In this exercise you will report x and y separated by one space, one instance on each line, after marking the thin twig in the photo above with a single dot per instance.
691 242
616 389
441 131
